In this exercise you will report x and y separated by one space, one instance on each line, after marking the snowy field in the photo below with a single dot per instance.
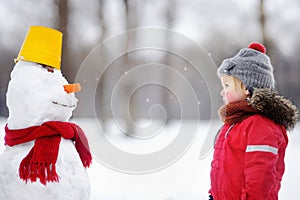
186 179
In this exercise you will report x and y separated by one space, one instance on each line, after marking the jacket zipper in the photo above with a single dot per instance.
227 132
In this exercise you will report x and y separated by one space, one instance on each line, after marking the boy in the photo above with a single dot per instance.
248 160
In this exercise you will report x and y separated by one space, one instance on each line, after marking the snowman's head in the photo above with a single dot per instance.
36 94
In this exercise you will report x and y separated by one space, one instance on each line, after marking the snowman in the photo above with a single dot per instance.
45 155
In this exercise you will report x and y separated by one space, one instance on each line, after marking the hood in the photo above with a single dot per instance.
277 108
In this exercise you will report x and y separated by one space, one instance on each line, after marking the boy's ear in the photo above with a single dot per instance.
246 91
249 91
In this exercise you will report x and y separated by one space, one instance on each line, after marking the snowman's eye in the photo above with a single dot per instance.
49 69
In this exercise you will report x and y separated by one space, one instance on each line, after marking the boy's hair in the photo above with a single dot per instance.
238 84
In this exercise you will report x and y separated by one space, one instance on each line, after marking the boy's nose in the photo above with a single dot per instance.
222 93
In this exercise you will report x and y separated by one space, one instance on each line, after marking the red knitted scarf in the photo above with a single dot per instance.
236 112
40 161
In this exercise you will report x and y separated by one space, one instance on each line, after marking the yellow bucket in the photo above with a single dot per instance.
42 45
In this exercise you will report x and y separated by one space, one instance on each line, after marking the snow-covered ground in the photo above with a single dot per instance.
186 179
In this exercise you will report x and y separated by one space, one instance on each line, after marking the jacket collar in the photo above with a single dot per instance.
277 108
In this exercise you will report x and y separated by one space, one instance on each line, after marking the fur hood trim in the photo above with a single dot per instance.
277 108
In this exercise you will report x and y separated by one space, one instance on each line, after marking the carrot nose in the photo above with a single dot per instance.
72 88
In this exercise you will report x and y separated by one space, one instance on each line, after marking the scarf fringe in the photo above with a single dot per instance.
32 171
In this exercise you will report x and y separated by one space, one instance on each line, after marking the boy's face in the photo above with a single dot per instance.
232 92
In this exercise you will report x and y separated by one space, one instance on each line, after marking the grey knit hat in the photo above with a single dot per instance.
252 66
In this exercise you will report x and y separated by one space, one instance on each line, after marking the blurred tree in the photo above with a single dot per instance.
103 85
62 25
263 23
7 64
167 102
286 65
131 22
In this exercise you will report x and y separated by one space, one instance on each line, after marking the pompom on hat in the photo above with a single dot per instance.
252 66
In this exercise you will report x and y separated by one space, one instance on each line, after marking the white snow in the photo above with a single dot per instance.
187 179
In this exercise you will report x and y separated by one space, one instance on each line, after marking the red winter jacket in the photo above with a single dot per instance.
248 161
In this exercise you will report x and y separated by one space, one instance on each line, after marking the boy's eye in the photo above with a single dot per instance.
225 85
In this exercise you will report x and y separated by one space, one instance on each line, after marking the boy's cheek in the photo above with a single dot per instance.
229 97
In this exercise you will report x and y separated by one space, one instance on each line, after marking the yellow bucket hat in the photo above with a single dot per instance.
42 45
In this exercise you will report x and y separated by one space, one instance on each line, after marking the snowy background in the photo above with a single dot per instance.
186 179
221 27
